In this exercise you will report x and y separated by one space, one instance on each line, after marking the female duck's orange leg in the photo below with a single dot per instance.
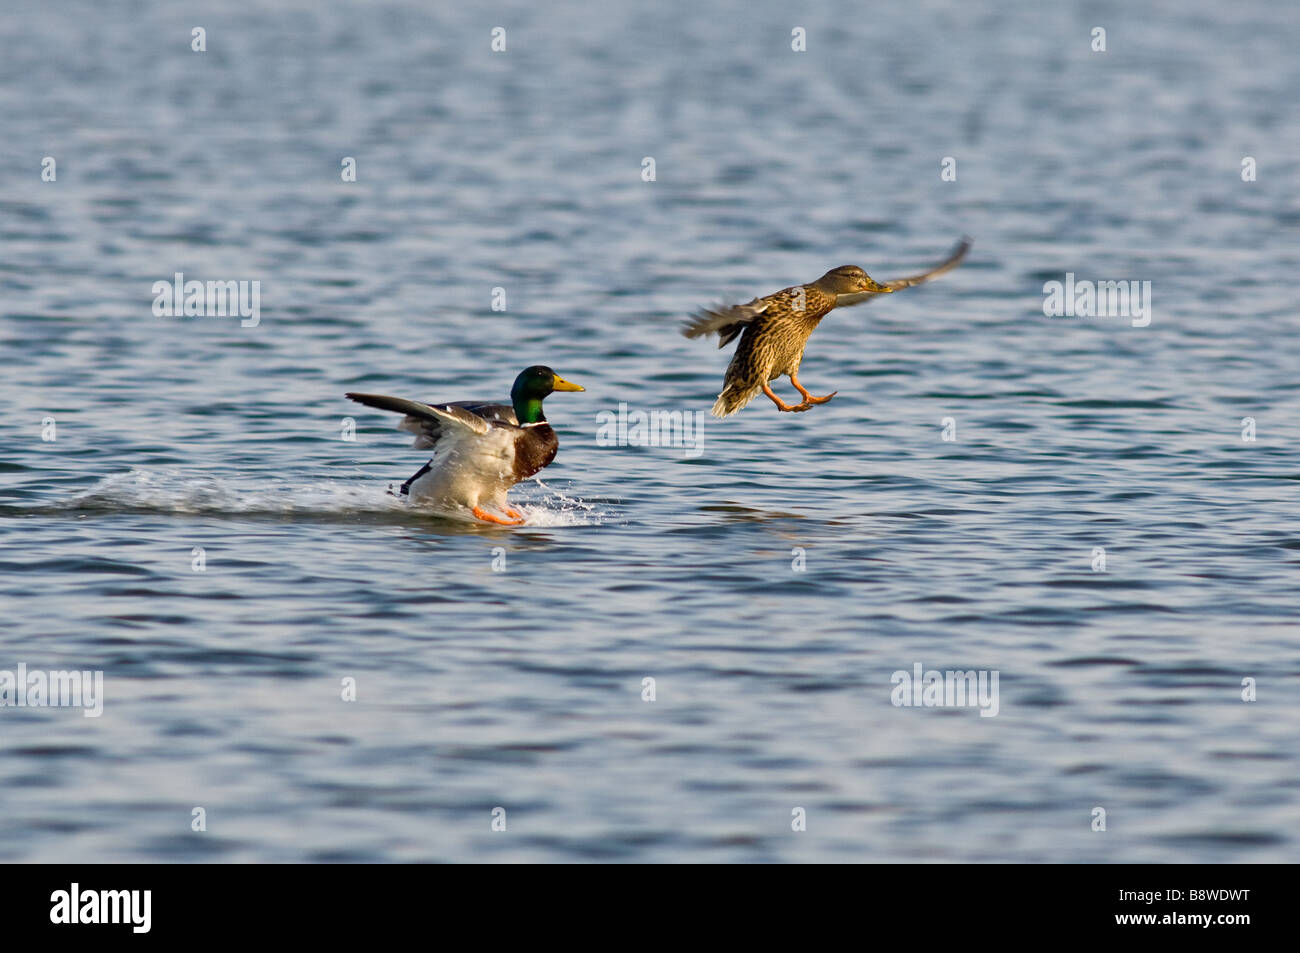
807 397
487 517
782 405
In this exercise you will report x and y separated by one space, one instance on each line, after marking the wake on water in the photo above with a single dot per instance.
185 492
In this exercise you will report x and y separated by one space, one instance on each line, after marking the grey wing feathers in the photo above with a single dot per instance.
948 264
428 431
726 320
502 412
426 420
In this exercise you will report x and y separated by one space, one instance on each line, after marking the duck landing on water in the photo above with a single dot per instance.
774 330
479 450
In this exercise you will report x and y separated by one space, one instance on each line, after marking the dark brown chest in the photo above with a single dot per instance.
535 450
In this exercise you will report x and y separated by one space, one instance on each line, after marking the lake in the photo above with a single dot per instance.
691 653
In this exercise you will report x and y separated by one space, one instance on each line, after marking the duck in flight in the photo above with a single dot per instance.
480 450
774 330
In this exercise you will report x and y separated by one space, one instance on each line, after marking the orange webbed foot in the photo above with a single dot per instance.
796 408
487 517
782 405
808 398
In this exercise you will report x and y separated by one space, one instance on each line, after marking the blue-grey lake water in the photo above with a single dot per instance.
1100 509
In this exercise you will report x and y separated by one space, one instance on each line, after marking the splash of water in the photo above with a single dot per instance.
185 492
546 506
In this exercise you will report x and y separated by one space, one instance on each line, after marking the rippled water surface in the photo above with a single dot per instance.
770 583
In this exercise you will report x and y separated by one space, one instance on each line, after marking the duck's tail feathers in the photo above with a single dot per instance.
733 398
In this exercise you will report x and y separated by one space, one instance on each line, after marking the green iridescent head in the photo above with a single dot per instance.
532 386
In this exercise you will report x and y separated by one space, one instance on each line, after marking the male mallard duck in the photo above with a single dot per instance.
479 450
774 330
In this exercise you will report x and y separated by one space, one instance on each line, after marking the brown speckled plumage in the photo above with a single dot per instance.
774 330
772 346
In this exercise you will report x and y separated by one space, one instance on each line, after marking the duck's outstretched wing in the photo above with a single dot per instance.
948 264
428 431
429 421
726 320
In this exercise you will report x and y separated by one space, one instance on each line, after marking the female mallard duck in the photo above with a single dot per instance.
774 330
479 450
